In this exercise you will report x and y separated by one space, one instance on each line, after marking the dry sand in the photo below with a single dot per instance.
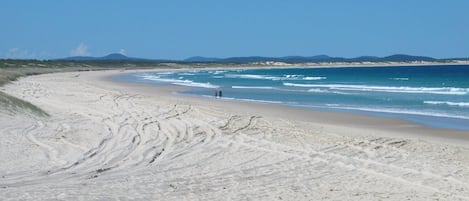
116 141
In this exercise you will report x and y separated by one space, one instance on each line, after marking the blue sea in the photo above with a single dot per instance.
435 96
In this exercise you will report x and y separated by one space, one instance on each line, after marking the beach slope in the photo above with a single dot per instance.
104 140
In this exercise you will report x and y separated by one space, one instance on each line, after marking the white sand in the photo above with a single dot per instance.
113 141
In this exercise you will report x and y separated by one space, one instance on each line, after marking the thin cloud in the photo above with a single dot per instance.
81 50
122 51
17 53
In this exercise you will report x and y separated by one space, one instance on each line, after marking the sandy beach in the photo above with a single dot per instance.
109 140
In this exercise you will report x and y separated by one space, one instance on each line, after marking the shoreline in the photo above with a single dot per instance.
359 122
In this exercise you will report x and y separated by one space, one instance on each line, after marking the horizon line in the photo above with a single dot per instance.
230 57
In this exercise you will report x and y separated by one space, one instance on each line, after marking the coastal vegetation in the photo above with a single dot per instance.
11 70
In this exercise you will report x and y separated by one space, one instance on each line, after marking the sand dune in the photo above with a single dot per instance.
107 142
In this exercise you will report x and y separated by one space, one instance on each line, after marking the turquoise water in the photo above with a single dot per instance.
436 96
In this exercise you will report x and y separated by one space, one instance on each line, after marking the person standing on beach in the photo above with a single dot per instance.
220 94
216 93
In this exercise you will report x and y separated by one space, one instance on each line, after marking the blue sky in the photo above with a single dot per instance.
176 29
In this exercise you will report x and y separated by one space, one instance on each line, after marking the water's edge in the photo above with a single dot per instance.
256 89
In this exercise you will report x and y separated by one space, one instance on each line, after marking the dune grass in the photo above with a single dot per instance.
12 105
11 70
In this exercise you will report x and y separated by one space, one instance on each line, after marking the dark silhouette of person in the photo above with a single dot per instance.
216 93
220 94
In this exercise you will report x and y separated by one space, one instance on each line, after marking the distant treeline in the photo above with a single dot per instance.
119 58
324 59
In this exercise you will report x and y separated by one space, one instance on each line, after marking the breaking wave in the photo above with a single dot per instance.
188 83
460 104
388 89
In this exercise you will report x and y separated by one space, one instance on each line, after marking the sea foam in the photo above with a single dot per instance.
460 104
188 83
389 89
400 111
274 78
251 87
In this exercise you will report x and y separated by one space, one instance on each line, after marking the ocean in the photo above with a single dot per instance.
435 96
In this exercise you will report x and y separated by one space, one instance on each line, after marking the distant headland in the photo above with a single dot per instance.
286 59
318 59
122 61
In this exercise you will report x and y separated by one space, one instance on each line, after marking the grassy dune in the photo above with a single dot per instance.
11 70
10 104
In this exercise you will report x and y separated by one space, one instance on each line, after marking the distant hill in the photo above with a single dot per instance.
286 59
78 58
202 59
110 57
317 58
403 57
257 59
115 56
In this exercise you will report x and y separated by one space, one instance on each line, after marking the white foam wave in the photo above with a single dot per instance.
301 77
249 76
216 72
196 84
388 89
253 100
460 104
188 83
274 78
401 111
318 91
246 99
400 78
251 87
292 76
314 78
186 74
165 73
